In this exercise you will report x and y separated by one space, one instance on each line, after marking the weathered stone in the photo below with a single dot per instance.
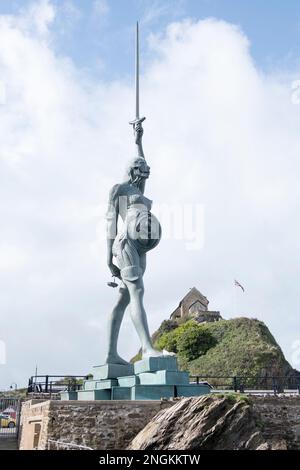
220 423
95 424
208 422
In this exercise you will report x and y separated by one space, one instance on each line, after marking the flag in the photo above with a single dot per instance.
236 283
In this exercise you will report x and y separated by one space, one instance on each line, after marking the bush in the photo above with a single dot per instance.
194 342
168 341
190 340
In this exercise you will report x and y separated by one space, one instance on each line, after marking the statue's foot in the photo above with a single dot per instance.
116 359
151 352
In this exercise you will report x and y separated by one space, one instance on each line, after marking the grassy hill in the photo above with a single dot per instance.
237 347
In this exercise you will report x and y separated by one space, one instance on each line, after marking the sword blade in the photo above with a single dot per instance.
137 74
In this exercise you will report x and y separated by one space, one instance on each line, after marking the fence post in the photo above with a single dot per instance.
47 382
29 389
235 384
274 385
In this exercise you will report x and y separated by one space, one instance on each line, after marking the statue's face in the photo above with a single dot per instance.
140 169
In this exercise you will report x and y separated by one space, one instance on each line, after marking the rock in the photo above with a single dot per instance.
205 423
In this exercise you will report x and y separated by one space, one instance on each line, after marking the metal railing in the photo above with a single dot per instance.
9 417
60 445
51 384
251 384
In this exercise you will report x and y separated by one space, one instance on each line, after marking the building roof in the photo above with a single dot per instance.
192 292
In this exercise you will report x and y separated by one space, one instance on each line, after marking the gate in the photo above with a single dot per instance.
9 418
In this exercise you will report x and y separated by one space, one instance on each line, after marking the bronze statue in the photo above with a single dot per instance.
141 233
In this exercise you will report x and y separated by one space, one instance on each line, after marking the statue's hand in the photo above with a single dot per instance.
115 271
138 132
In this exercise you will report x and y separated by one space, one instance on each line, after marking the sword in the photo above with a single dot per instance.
137 122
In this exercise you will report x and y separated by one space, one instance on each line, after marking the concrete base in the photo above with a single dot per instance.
192 390
90 395
164 377
100 384
128 381
121 393
112 371
152 392
153 364
69 395
153 378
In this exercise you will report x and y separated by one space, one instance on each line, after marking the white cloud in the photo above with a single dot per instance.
218 133
39 16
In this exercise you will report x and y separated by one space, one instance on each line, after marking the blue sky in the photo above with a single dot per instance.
87 34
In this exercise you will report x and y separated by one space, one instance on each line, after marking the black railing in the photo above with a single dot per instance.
251 384
51 384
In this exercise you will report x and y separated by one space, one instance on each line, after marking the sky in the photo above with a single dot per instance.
220 84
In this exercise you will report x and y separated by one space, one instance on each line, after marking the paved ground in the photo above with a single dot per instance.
8 444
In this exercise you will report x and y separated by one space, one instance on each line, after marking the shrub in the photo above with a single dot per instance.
189 340
194 342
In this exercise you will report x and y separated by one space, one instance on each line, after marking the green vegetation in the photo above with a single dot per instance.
232 397
18 394
189 340
239 347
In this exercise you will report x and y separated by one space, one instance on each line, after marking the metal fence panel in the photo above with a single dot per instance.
9 417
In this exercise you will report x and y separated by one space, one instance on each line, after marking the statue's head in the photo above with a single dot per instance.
138 170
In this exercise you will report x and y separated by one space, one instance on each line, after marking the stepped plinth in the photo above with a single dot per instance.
152 378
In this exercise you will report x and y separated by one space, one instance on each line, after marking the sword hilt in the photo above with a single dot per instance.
137 121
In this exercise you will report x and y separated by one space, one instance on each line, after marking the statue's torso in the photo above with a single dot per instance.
141 227
130 199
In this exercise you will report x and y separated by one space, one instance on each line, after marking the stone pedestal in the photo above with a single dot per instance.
153 378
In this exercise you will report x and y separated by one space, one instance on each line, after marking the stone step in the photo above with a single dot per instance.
91 395
112 371
69 396
164 377
153 364
139 392
152 392
129 381
121 393
99 384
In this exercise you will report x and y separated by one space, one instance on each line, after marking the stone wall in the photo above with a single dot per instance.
95 424
113 424
279 418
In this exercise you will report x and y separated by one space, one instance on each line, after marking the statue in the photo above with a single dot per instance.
141 233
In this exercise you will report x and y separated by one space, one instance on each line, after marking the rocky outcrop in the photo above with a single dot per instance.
205 423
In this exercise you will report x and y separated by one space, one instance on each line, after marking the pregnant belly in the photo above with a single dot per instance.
145 229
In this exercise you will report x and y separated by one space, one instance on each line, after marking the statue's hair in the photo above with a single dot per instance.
130 165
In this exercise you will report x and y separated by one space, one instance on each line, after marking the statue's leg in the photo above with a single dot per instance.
114 325
138 313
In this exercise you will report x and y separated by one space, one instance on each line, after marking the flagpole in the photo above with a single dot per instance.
235 301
